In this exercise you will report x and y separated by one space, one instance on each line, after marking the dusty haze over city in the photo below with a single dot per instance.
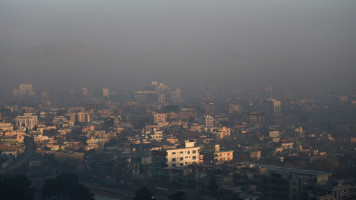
305 45
178 99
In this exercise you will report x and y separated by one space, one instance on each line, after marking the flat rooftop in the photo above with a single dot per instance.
293 170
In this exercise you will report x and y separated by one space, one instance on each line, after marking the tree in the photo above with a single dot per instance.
16 188
171 108
66 186
143 194
327 164
178 196
213 186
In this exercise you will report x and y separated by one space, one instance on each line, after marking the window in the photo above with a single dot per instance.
181 152
173 152
173 159
194 151
181 158
181 164
194 157
188 152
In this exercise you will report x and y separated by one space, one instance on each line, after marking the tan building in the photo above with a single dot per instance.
5 126
9 151
208 121
234 108
83 117
208 107
273 134
80 117
255 155
106 92
255 117
159 117
273 106
24 90
221 132
176 95
161 98
26 122
85 91
216 155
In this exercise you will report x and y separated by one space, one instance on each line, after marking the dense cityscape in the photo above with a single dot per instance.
169 144
177 100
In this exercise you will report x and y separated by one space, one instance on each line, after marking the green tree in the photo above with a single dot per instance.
327 164
213 185
16 188
178 196
143 194
66 186
171 108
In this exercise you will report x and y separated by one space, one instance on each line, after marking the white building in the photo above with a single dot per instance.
177 157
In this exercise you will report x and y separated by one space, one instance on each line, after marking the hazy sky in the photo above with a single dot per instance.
259 42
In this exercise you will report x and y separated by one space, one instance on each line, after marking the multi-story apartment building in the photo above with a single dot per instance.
176 95
26 122
208 107
292 184
216 155
234 108
221 132
255 117
208 121
106 92
332 191
5 126
80 117
83 117
156 135
273 106
85 91
161 98
159 117
177 157
24 90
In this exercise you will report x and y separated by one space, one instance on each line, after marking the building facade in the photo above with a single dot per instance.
177 157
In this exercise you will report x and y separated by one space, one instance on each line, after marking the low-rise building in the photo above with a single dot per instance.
216 155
